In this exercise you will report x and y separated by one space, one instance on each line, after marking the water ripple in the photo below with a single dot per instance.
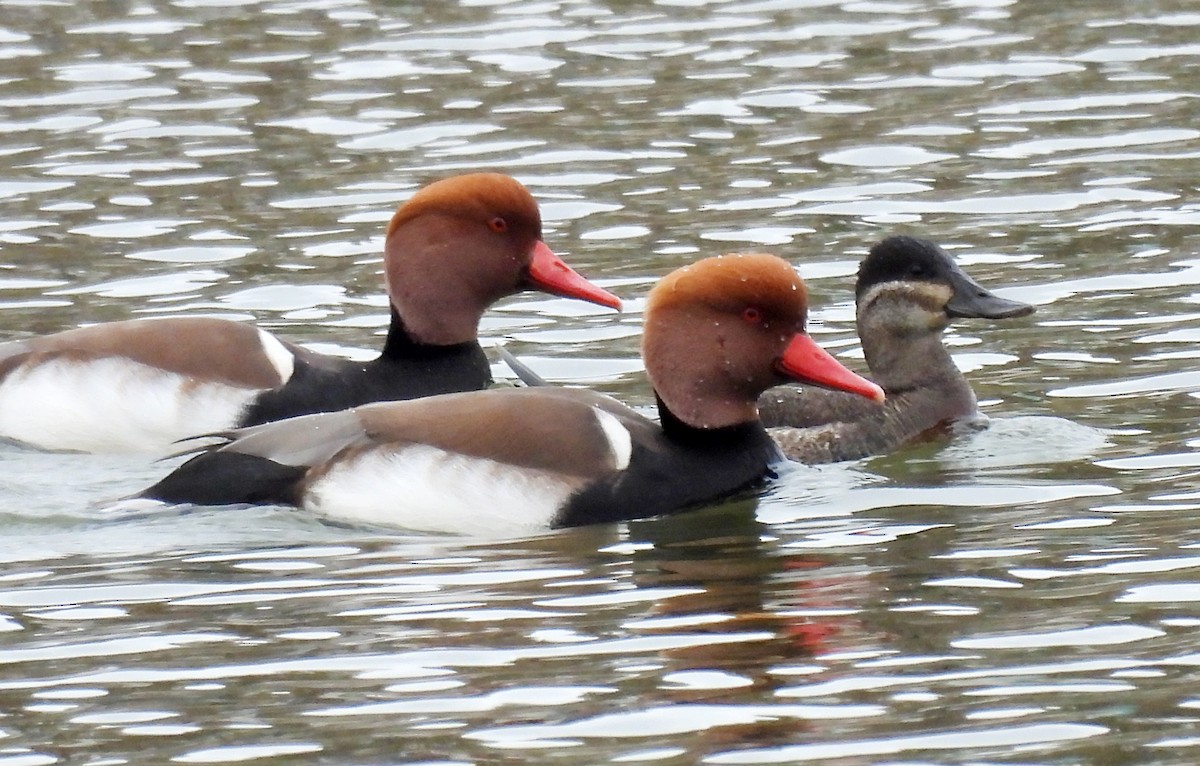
184 160
1001 739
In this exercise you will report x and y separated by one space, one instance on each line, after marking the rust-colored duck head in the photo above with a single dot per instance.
721 331
459 245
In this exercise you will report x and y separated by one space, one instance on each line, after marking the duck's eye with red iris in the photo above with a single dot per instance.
752 315
498 225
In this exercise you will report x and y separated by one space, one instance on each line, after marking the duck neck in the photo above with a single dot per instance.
436 318
678 430
401 347
698 405
907 356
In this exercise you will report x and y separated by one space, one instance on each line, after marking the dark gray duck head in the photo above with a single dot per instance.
909 259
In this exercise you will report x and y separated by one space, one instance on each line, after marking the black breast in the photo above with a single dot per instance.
680 469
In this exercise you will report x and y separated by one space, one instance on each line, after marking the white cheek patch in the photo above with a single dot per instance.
906 307
930 296
620 442
283 360
112 405
423 488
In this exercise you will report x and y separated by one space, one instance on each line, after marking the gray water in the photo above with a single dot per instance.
1029 594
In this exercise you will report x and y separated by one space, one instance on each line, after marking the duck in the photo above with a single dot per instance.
514 461
452 249
907 293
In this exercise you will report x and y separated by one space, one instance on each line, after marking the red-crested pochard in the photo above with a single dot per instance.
717 334
908 291
452 250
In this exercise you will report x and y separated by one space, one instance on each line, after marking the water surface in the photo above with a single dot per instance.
1023 595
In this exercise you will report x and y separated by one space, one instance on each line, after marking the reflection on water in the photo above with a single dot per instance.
1024 593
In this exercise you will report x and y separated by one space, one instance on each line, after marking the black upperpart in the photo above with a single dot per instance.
404 370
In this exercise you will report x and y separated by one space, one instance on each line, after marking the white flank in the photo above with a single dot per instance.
278 355
112 405
620 442
423 488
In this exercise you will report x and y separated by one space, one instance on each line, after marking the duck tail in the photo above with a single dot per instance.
229 478
523 371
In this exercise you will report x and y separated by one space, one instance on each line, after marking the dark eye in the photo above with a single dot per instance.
752 315
498 225
916 270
